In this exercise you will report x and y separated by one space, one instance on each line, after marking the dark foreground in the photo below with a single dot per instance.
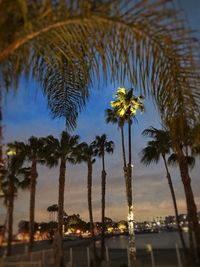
76 251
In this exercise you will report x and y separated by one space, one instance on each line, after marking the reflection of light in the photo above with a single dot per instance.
185 229
110 229
148 247
23 236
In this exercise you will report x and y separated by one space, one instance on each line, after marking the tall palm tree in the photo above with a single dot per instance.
85 153
103 146
173 161
125 106
33 152
182 141
159 147
60 151
14 177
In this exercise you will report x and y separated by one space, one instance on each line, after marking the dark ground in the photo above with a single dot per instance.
117 257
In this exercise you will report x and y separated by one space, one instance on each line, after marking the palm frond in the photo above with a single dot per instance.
84 152
149 154
102 145
145 41
190 161
65 88
173 160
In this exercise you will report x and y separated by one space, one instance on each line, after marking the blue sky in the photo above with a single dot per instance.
25 114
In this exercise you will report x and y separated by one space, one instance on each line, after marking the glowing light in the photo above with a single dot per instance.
11 152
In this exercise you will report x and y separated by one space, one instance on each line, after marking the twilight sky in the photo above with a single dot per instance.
25 114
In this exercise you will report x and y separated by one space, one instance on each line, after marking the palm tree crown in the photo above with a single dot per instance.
85 152
103 146
126 103
157 147
62 149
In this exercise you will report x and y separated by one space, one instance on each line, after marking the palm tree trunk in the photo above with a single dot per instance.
123 146
61 196
10 216
191 206
175 206
125 166
103 188
89 186
191 243
32 204
131 228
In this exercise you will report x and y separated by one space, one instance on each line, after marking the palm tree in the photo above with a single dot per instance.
125 106
49 209
103 146
14 177
85 153
52 212
181 141
159 147
173 161
142 41
60 151
34 153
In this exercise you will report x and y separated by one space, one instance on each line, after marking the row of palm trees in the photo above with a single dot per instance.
129 45
52 152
